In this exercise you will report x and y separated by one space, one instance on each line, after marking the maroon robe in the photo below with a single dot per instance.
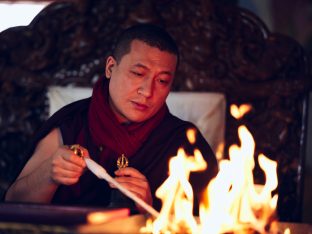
151 159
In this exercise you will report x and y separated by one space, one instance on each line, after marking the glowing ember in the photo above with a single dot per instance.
287 231
239 112
99 217
219 151
190 133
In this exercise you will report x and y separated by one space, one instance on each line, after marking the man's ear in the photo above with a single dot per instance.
110 63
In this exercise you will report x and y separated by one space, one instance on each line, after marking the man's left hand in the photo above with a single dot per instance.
134 181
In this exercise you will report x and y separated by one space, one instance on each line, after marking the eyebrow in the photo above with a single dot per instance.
145 67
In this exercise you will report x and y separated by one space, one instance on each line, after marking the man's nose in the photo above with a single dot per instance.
146 88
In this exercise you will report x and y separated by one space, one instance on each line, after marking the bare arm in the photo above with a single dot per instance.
51 164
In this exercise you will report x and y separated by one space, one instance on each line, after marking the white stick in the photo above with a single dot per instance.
101 173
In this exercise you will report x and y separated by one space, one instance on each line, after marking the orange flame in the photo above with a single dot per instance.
239 112
191 135
232 201
235 202
176 194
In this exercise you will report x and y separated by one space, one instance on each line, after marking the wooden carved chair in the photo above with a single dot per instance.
223 49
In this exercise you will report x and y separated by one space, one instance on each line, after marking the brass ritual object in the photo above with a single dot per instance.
122 161
77 150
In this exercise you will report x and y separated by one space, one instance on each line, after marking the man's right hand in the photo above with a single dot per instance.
66 166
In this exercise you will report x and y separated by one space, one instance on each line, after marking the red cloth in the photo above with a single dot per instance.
151 157
107 132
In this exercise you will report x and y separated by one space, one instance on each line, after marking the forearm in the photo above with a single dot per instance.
35 187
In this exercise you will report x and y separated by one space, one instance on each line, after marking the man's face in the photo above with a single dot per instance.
140 83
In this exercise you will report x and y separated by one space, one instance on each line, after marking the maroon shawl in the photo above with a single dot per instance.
153 143
151 157
108 134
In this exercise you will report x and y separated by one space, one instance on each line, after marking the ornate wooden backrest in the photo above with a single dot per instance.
223 49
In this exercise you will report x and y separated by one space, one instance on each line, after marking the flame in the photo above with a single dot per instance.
232 201
287 231
235 202
219 151
176 194
191 135
99 217
239 112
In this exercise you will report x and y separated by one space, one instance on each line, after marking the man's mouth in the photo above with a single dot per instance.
140 106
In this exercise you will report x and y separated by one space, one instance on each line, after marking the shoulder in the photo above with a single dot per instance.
72 108
69 111
68 114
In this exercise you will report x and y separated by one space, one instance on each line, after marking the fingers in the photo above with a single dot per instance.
134 181
65 177
66 166
136 186
129 171
70 157
77 150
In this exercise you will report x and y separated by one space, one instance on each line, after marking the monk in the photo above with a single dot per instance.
127 117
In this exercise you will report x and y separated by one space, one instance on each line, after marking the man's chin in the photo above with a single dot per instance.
139 119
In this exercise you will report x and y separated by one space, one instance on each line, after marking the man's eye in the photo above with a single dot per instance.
137 73
163 81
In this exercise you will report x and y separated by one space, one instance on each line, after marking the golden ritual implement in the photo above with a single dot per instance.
122 161
76 149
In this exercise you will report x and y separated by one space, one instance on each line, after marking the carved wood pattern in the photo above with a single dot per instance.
223 49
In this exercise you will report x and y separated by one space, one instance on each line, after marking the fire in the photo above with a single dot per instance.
232 201
191 135
235 202
176 194
99 217
239 112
